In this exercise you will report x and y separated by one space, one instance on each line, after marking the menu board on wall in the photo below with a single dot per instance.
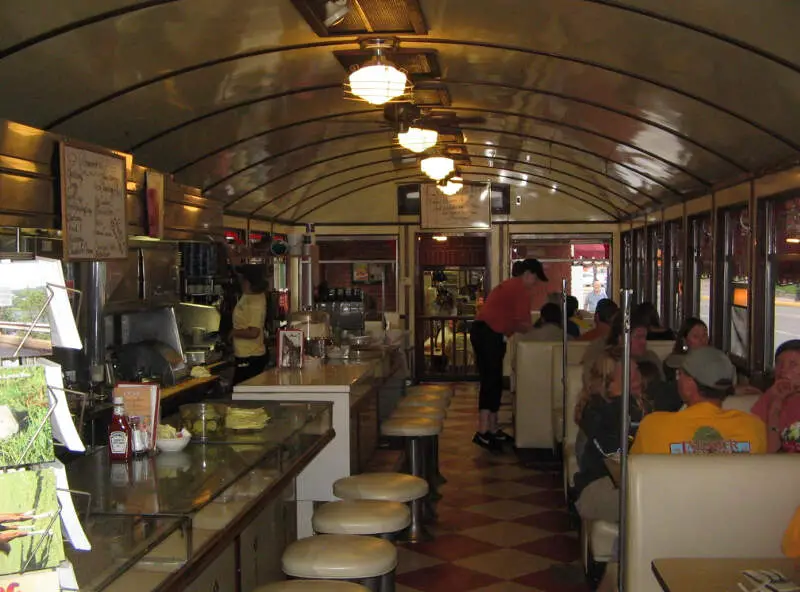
469 208
93 186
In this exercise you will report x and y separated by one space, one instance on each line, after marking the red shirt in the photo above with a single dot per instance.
508 307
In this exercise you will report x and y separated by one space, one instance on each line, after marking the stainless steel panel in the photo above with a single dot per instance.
123 284
161 275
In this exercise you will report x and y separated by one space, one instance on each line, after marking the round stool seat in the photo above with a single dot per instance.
424 401
361 517
392 487
339 557
432 412
441 390
312 586
411 427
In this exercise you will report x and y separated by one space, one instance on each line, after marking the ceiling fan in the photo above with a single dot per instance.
403 115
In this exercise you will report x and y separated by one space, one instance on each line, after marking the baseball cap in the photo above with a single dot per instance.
534 266
708 366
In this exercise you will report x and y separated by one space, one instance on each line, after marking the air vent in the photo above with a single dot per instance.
364 17
419 64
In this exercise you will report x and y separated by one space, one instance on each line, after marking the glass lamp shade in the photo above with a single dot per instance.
452 186
378 83
437 167
418 139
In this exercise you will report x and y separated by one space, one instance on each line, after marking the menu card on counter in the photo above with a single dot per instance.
93 188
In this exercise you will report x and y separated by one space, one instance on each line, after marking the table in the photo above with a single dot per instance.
614 471
715 575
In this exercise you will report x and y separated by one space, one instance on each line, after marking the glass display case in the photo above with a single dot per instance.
149 518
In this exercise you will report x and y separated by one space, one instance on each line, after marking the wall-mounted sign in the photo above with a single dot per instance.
470 208
93 189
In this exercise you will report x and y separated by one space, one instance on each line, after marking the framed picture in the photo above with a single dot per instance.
290 348
360 273
376 271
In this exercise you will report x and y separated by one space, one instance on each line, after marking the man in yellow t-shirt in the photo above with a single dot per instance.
791 540
705 377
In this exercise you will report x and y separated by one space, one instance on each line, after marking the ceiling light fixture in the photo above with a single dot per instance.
437 167
440 238
452 186
379 80
418 139
335 11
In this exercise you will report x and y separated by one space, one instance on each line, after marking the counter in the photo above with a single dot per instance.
215 516
353 387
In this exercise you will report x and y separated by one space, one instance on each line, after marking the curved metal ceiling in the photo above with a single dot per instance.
622 104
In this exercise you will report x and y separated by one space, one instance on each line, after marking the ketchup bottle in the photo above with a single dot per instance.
120 436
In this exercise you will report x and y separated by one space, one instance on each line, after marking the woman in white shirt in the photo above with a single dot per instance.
249 317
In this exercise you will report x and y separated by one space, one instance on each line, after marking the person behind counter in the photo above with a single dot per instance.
507 311
249 317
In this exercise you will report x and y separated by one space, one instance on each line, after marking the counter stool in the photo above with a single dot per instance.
363 517
417 431
435 476
367 560
394 487
312 586
441 402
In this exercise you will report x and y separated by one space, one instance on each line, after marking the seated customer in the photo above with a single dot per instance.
692 334
779 407
639 351
705 377
603 317
575 324
648 315
598 415
549 327
791 540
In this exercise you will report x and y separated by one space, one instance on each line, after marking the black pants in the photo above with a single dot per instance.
249 367
490 349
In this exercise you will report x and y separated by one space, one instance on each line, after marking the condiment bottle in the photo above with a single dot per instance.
138 435
120 437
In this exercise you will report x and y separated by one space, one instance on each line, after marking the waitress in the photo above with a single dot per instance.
249 317
506 311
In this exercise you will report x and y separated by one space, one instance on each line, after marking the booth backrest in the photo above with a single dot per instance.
661 348
740 402
574 389
723 506
575 351
533 403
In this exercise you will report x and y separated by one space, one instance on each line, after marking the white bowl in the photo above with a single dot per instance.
173 444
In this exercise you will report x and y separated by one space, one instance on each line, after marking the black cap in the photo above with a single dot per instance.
254 274
534 266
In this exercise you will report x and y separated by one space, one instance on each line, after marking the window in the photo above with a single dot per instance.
408 199
673 274
737 254
702 263
785 271
583 262
656 259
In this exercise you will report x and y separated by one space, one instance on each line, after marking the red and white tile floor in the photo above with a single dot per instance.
502 527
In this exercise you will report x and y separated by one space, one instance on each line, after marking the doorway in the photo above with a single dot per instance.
452 281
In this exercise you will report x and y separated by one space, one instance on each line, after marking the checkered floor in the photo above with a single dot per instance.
502 527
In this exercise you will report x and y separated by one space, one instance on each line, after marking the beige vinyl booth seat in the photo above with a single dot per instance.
598 538
722 506
575 352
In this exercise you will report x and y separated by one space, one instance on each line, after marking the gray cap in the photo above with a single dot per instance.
707 365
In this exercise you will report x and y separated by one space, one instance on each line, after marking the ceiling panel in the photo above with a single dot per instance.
629 101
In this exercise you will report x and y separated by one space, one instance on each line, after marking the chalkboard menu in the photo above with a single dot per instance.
469 208
93 186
